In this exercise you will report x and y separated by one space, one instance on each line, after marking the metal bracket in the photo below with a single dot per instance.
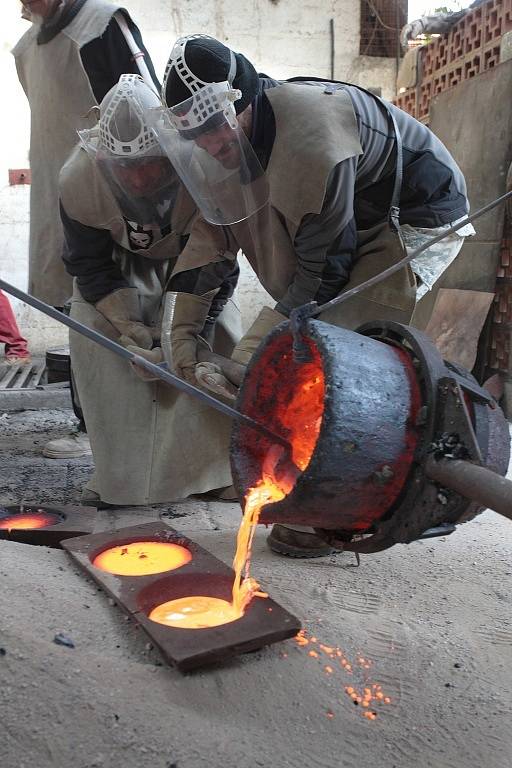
299 318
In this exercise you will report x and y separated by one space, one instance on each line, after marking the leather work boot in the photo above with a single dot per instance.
297 543
71 447
92 499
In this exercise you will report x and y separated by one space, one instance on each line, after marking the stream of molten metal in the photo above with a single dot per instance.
301 417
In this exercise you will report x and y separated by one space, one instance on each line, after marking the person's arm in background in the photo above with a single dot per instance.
108 57
325 244
88 257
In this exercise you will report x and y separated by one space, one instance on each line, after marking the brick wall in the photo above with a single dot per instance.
500 357
471 47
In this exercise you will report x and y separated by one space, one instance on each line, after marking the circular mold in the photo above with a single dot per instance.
142 558
195 612
28 519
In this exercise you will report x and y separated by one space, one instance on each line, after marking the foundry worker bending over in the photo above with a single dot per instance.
126 221
315 180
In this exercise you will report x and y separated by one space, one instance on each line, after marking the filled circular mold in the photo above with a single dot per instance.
206 596
141 558
195 612
28 518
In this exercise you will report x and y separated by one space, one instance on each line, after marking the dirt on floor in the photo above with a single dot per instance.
421 633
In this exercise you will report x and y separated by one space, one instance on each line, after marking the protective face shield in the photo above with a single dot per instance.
127 152
207 147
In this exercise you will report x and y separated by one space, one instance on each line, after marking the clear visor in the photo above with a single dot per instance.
213 158
139 182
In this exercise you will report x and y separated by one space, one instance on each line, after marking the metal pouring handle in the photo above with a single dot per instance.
473 482
156 370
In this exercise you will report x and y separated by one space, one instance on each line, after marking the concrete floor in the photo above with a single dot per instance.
427 628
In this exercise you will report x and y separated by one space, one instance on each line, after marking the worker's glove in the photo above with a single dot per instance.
153 355
122 310
248 344
210 377
184 319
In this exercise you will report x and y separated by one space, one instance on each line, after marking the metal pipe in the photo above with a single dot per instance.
332 40
156 370
473 482
138 55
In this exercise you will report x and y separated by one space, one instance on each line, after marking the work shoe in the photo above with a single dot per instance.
13 360
71 447
287 541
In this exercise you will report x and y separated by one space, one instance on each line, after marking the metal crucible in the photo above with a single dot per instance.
362 415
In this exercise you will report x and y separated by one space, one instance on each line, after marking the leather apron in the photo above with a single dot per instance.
151 443
60 97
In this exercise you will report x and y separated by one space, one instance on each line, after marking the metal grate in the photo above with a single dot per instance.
15 377
381 22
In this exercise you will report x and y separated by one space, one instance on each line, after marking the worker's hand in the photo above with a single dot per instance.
153 355
248 344
122 310
210 377
183 322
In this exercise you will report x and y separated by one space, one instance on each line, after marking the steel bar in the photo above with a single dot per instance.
156 370
473 482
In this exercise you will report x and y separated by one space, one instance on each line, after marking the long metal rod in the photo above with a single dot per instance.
312 311
473 482
156 370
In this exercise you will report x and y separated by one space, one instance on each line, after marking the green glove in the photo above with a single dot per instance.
248 344
183 321
122 310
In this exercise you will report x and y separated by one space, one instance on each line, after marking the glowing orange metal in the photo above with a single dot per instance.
28 521
371 695
198 612
301 417
142 558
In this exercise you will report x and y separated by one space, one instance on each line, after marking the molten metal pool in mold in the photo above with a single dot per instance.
185 607
45 526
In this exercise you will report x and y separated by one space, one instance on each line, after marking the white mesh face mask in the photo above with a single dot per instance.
123 129
210 152
206 99
126 150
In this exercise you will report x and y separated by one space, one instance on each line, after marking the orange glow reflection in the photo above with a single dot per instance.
142 558
198 612
28 521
